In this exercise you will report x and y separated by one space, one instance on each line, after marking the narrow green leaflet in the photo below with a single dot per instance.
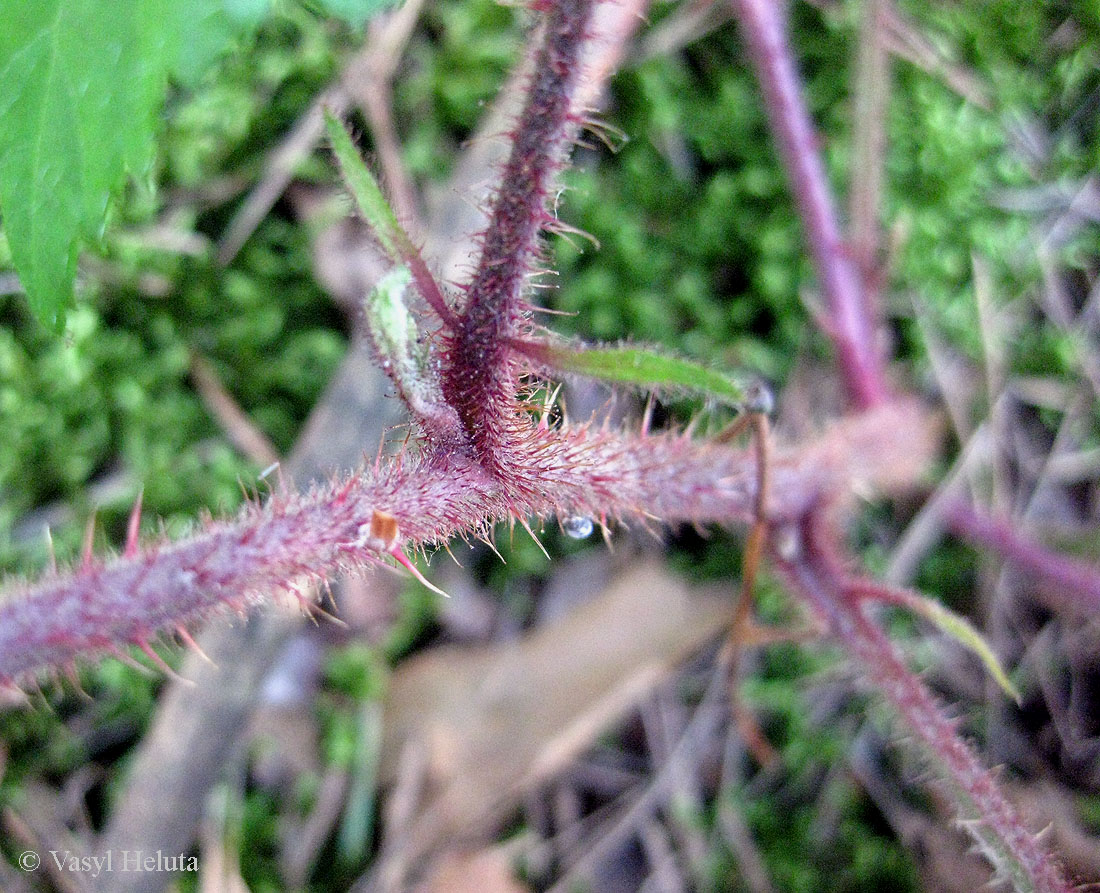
378 214
81 87
634 365
366 192
959 629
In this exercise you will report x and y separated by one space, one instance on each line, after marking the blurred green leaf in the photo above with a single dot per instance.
959 629
637 366
81 82
81 86
364 188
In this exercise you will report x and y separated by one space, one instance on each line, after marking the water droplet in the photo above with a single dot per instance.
788 543
577 526
759 398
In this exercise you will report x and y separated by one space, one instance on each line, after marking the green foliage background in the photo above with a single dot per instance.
700 253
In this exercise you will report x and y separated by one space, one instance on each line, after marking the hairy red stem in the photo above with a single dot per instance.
427 499
808 561
481 377
849 321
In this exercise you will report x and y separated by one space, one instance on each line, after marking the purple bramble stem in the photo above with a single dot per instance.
481 377
809 564
1076 585
100 607
849 321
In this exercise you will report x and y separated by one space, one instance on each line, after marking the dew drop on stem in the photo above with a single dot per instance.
577 527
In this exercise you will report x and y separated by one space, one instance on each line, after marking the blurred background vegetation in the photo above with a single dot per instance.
700 252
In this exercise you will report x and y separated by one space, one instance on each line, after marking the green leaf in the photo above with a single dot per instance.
81 83
961 630
197 32
247 12
637 366
81 86
378 214
366 191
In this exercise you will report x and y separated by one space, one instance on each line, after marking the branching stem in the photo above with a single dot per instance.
814 571
430 498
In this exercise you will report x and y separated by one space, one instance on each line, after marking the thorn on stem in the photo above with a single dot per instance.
50 550
128 659
401 559
447 546
89 540
71 674
647 416
307 605
488 540
547 408
531 533
132 527
605 532
186 638
147 649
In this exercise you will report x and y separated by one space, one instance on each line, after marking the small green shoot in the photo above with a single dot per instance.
379 216
366 191
400 344
391 326
961 630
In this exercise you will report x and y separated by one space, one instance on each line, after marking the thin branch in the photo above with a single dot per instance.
872 94
481 378
1075 584
280 168
239 428
850 323
808 562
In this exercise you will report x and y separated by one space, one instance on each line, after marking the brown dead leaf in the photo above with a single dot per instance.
496 721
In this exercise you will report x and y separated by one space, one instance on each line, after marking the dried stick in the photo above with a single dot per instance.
238 427
872 94
379 56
